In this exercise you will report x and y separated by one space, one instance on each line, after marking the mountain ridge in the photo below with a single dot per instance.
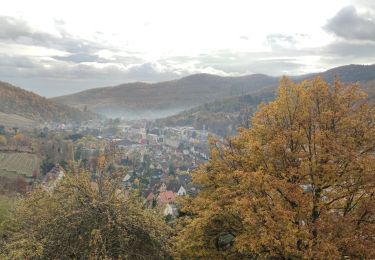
139 100
224 116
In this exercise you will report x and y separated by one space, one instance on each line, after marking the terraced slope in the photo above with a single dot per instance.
13 165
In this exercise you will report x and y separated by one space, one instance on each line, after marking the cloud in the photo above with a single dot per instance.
231 63
57 62
350 49
280 41
81 57
368 4
350 25
14 30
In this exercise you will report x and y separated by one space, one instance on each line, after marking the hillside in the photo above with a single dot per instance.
12 120
348 74
19 164
221 117
142 100
224 116
21 107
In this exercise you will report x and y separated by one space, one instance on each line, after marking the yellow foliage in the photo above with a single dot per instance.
299 184
78 220
3 140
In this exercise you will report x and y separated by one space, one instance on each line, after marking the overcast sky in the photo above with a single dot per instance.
59 47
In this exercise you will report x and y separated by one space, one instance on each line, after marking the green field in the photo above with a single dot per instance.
13 165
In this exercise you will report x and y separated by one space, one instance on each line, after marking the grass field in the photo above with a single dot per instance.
11 120
13 165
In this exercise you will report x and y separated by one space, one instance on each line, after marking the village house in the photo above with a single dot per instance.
181 191
166 197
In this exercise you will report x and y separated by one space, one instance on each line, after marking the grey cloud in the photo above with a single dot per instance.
56 77
278 66
83 68
150 71
280 41
240 63
19 62
31 67
350 49
273 63
348 24
81 57
129 58
14 30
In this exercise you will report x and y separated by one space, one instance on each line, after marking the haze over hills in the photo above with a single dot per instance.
148 101
142 100
22 108
224 116
221 117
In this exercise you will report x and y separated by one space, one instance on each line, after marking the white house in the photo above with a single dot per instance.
181 191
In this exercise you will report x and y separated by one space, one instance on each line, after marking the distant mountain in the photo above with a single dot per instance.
20 107
143 100
224 116
348 74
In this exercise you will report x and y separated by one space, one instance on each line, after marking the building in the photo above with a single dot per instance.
181 191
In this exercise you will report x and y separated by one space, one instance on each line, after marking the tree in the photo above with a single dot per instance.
299 184
3 140
2 130
171 168
20 139
47 164
80 219
7 205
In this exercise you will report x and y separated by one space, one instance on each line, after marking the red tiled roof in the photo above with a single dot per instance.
167 197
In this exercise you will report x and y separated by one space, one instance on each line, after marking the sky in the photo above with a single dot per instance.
59 47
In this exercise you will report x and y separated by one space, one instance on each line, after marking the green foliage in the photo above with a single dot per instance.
47 165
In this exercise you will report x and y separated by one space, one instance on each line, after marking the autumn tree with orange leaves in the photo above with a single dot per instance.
300 183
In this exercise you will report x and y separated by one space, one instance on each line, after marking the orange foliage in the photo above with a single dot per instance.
299 184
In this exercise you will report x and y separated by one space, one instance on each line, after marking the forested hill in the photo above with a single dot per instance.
221 117
348 74
224 116
28 105
143 100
